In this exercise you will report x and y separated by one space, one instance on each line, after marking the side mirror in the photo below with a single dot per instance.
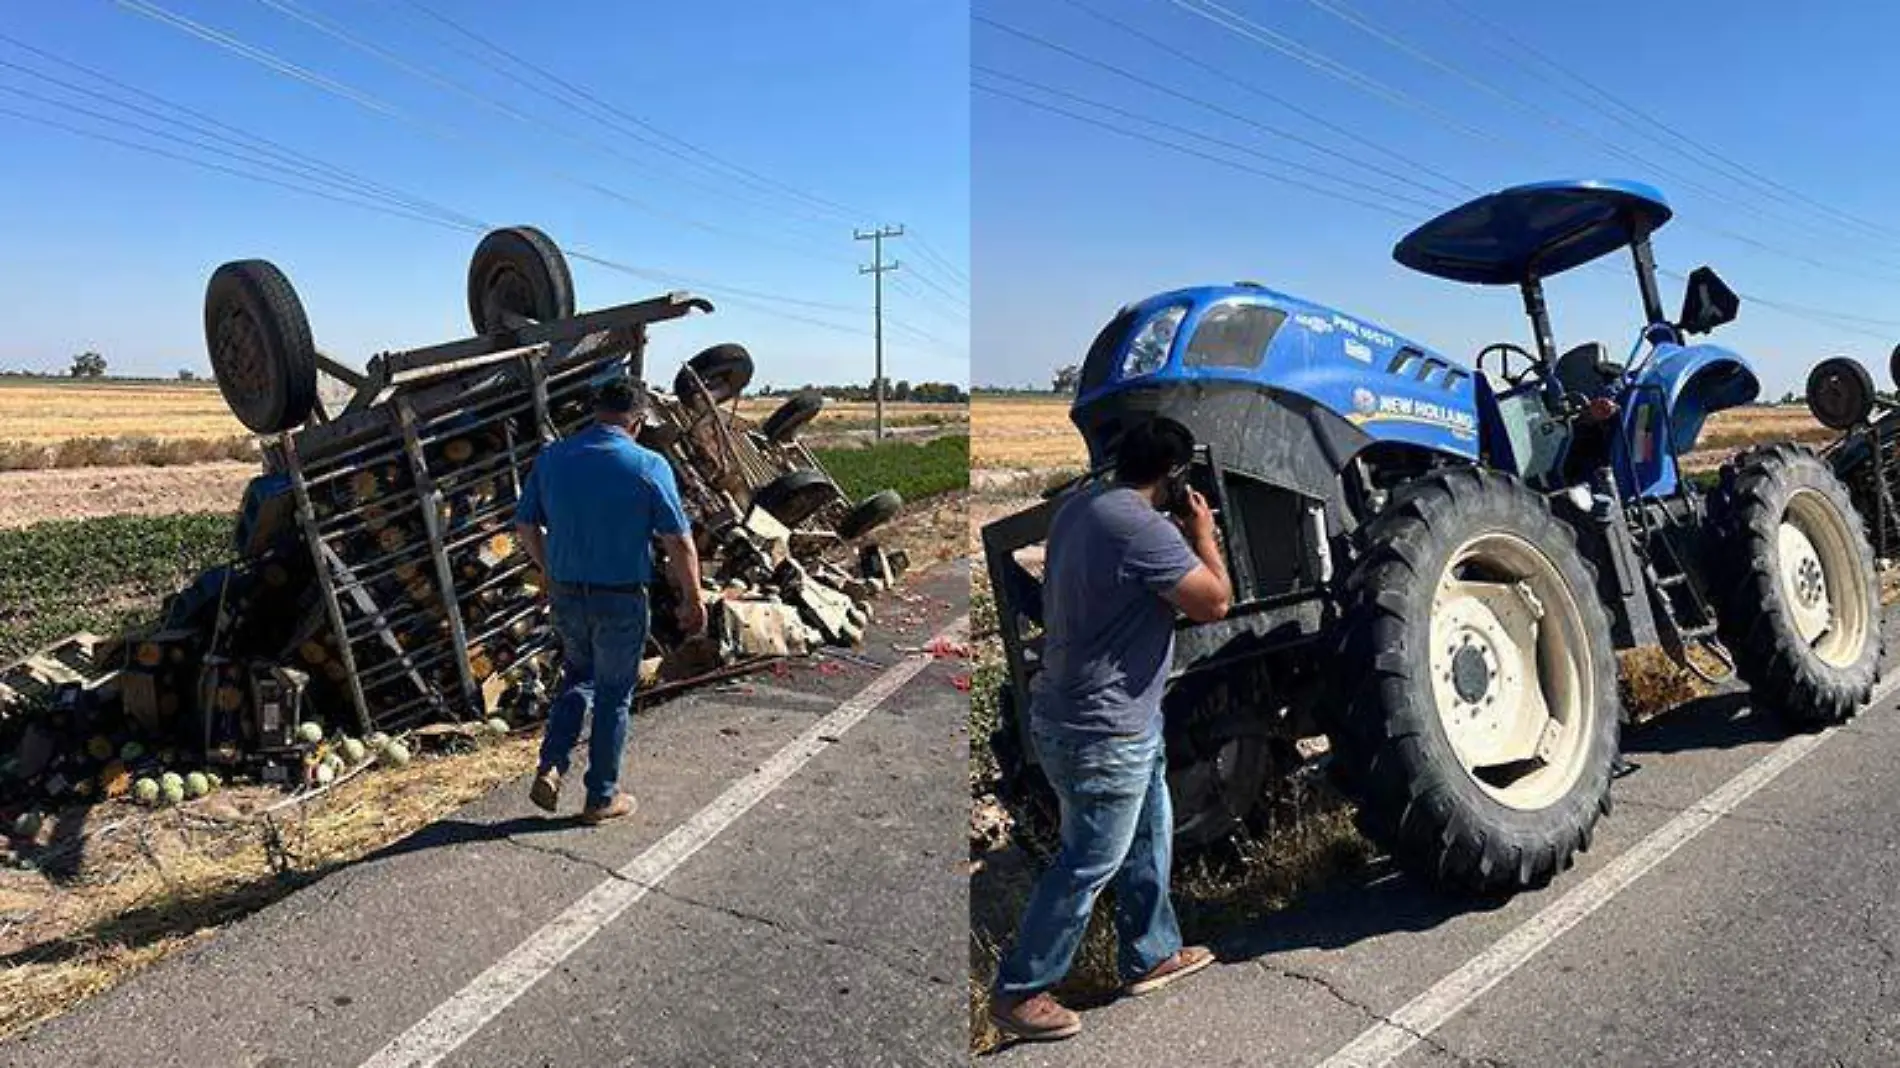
1707 302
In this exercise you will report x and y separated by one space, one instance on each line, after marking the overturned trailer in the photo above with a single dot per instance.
377 585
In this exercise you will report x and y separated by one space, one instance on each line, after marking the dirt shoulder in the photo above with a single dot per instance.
28 497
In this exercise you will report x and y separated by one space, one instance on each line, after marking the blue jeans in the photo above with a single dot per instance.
1117 828
603 636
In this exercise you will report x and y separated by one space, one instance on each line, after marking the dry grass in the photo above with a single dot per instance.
854 415
47 413
123 452
163 881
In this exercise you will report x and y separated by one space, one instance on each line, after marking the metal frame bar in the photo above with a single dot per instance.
432 526
307 518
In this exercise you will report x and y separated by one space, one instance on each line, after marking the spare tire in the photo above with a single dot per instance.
260 346
725 371
783 425
795 497
870 513
519 270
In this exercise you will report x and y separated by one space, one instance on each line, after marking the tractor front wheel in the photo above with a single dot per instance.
1803 614
1479 716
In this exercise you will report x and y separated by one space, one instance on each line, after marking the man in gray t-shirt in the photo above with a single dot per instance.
1117 570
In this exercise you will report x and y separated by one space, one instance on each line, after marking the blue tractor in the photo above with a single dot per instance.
1435 564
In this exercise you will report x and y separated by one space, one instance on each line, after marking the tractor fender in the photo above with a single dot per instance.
1676 392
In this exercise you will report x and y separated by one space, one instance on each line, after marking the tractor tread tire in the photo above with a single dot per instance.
1414 796
283 354
1756 624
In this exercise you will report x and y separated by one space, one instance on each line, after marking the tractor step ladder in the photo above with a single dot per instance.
1686 617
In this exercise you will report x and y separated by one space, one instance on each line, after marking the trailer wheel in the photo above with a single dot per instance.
519 270
1480 712
1803 614
725 370
870 513
795 497
260 346
783 425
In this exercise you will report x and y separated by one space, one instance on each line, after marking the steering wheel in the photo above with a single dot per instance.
1532 371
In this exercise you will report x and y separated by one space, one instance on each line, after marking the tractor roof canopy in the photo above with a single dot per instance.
1536 230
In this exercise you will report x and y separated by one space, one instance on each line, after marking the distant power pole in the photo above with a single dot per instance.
876 271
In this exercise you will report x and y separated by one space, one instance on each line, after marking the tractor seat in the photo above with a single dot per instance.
1585 369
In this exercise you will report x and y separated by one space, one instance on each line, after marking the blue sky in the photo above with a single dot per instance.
1072 220
862 103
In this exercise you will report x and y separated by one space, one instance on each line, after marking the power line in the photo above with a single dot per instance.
1672 137
1186 150
1210 106
683 145
1231 146
291 9
940 261
1413 166
384 108
1250 30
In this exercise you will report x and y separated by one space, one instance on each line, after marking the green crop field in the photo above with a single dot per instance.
98 574
914 469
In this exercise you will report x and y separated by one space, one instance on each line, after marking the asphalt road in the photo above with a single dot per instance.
822 923
1768 935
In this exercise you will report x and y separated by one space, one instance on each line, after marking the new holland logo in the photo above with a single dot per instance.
1364 401
1370 407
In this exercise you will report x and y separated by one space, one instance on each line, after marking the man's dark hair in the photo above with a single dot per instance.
616 395
1150 449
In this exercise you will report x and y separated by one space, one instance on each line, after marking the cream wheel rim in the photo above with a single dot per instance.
1510 671
1821 579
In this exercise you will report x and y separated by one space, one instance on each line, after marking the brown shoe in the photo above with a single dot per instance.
1186 961
1038 1018
621 805
546 791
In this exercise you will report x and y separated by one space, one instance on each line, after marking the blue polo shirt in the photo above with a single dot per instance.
602 498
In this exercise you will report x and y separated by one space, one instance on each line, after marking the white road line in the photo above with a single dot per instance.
456 1020
1391 1038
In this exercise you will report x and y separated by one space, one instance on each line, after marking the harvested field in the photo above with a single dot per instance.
28 497
1031 433
54 424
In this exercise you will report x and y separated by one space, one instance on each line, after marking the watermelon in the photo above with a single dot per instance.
171 779
310 732
196 785
377 742
131 751
99 747
396 753
354 751
27 824
326 773
146 790
172 788
498 725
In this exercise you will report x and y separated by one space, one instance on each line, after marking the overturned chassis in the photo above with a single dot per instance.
1425 560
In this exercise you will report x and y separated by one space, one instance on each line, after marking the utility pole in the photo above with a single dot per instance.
876 271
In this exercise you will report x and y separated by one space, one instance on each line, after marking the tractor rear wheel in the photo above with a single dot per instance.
1479 720
1803 616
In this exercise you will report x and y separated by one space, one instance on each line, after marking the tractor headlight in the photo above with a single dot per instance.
1149 349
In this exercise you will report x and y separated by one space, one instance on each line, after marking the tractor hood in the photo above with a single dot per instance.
1216 358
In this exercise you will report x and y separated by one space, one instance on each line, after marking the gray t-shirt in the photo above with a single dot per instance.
1110 633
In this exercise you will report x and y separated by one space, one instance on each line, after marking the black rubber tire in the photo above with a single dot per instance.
870 513
525 272
1840 393
795 497
724 369
260 346
1393 755
783 425
1770 655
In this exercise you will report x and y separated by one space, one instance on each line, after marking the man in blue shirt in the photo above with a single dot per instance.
588 515
1117 569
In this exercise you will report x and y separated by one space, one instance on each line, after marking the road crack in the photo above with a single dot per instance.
1332 990
896 964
